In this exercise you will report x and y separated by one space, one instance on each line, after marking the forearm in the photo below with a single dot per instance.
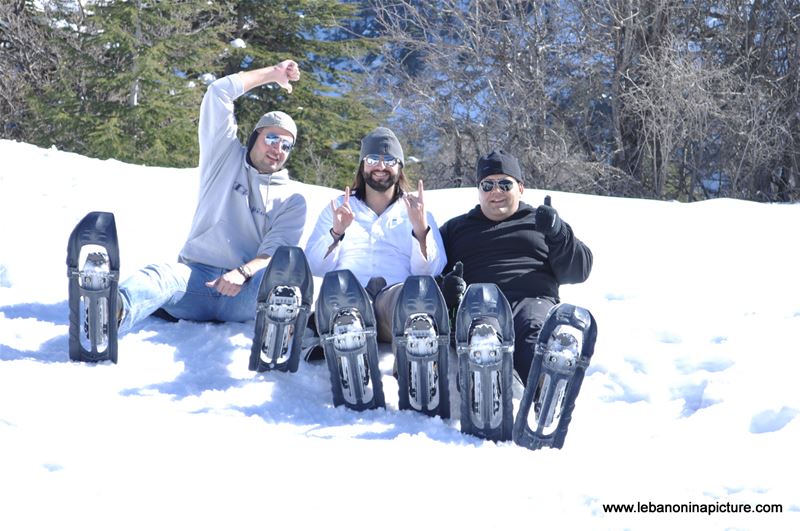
230 284
256 264
571 261
422 239
427 258
260 76
322 252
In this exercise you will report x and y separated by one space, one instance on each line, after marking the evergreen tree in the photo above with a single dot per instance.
125 78
126 92
331 109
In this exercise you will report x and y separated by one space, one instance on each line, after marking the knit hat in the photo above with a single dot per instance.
499 162
278 119
271 119
382 141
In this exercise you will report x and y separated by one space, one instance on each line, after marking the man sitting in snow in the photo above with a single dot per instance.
246 210
377 229
527 252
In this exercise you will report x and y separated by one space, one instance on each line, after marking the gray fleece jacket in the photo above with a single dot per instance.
240 213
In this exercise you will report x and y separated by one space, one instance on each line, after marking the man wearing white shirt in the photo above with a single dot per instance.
377 229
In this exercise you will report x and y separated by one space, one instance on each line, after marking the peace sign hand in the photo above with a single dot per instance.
415 204
343 215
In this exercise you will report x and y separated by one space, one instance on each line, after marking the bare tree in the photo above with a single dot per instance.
27 60
466 80
762 39
526 76
677 99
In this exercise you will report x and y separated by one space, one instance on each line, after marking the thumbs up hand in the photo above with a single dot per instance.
547 220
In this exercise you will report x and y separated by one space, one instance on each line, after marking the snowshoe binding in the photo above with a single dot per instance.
346 326
421 344
563 352
93 271
283 307
485 347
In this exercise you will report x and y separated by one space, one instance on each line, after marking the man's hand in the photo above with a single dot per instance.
281 73
229 284
415 204
287 71
343 215
547 220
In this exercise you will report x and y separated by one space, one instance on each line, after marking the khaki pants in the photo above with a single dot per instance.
384 304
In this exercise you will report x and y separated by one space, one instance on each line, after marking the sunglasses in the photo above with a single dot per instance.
487 185
373 160
272 139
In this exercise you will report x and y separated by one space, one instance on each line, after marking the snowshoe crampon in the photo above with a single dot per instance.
485 347
283 307
563 351
421 343
93 271
346 325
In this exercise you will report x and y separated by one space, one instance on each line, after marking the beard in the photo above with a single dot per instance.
381 186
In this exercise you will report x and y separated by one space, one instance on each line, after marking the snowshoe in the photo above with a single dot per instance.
421 331
485 348
283 307
93 271
346 326
562 354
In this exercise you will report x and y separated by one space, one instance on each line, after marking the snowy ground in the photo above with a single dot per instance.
691 397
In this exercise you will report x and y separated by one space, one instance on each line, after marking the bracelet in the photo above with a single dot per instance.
244 272
336 236
426 232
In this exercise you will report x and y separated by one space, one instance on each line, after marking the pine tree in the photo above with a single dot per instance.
127 79
332 110
126 92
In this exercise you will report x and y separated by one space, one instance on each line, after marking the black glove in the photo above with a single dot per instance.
453 286
547 220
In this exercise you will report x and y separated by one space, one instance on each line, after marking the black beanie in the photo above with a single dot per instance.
499 162
382 141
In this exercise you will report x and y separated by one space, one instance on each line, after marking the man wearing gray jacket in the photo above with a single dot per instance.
247 208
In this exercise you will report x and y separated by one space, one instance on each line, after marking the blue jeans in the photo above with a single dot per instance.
181 291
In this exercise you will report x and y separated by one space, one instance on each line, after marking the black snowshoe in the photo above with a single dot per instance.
485 347
563 352
283 307
93 271
421 331
346 326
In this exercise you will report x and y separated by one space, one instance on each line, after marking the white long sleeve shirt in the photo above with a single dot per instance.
375 246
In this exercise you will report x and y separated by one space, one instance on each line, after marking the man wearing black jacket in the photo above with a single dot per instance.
527 252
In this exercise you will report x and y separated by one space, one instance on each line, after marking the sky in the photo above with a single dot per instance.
690 402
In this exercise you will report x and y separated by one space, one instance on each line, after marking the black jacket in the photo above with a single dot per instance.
514 255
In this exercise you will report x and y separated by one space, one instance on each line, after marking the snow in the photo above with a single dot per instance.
691 397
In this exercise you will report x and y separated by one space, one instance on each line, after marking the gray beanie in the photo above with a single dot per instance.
382 141
278 119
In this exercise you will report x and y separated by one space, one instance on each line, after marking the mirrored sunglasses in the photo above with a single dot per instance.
487 185
272 139
374 160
